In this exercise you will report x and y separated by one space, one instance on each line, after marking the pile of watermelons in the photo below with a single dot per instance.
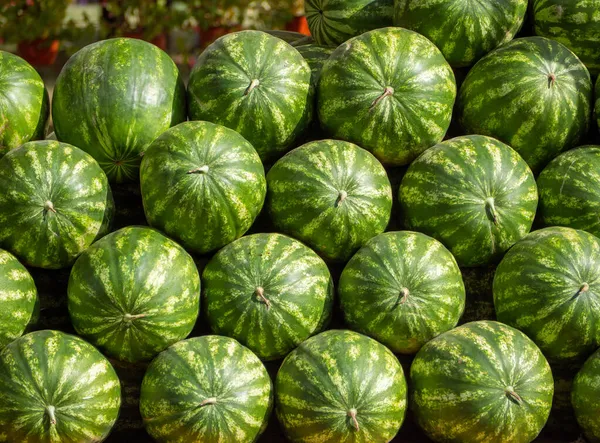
312 209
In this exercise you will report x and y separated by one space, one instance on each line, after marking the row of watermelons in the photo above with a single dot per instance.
385 97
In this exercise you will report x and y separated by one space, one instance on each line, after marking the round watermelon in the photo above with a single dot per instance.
332 22
255 84
548 286
134 293
24 105
113 98
585 395
533 94
206 389
402 289
474 194
330 194
268 291
55 201
340 386
569 190
389 91
202 184
56 388
18 298
575 24
481 382
464 30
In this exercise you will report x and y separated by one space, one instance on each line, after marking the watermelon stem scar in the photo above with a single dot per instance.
584 288
512 395
129 317
352 414
551 80
208 401
201 170
50 411
253 84
48 206
260 293
386 93
404 292
341 197
490 209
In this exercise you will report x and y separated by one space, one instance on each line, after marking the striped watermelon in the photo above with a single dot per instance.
56 388
134 293
340 386
330 194
548 286
332 22
54 202
24 105
268 291
255 84
533 94
402 289
113 98
202 184
464 30
389 91
206 389
575 24
474 194
18 298
569 190
585 395
315 56
481 382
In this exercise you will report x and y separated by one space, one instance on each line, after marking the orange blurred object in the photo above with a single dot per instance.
298 24
39 52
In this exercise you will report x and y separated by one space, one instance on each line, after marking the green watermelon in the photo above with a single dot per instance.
331 195
255 84
389 91
403 289
340 386
569 190
268 291
18 298
481 382
315 56
474 194
548 286
54 202
575 24
533 94
464 30
24 105
202 184
56 388
586 398
134 293
113 98
332 22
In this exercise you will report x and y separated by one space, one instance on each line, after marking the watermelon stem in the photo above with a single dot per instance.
50 411
253 84
551 80
404 292
352 414
260 292
584 288
48 206
209 401
341 197
201 169
386 93
129 317
512 395
490 209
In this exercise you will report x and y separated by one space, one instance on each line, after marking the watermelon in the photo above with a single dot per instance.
474 194
18 298
389 91
56 388
202 184
113 98
533 94
206 389
331 195
255 84
575 24
24 105
332 22
481 382
134 293
268 291
402 289
340 386
54 202
585 395
464 30
569 190
548 286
